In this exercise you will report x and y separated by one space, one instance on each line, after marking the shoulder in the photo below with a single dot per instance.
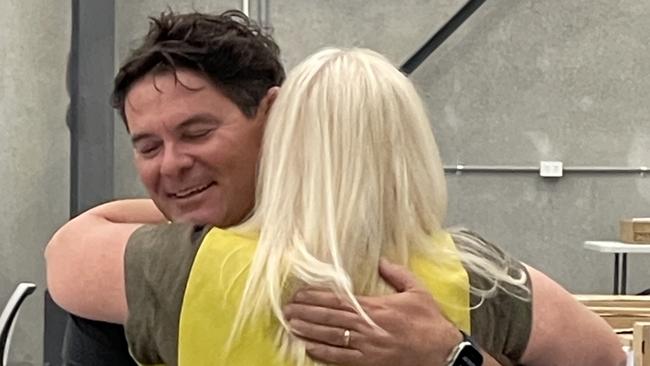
167 234
502 313
155 251
546 327
158 262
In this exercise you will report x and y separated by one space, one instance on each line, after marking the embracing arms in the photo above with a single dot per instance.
563 332
85 270
85 258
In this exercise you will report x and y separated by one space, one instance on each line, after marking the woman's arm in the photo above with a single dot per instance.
85 259
565 332
130 211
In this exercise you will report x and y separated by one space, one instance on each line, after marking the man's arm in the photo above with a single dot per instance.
419 335
85 259
130 211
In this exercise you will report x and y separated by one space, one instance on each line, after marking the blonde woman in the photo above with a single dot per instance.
349 174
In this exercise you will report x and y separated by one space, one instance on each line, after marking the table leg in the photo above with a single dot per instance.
624 274
616 267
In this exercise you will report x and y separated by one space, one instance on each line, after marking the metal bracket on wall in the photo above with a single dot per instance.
440 36
263 13
245 7
462 168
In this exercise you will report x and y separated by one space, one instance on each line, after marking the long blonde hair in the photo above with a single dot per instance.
349 172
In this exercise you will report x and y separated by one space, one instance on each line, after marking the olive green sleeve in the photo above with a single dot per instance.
157 264
502 322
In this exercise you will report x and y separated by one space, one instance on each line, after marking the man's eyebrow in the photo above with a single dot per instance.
205 118
135 138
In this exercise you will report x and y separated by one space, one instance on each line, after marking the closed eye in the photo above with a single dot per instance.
147 150
196 134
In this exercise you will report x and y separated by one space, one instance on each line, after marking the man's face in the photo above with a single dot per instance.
195 151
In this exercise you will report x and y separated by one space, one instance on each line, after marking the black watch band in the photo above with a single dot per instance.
466 353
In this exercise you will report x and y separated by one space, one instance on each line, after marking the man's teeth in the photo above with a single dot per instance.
188 192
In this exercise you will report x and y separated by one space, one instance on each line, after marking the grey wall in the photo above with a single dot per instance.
525 81
521 81
34 154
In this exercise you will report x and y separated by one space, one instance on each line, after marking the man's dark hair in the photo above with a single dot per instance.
228 48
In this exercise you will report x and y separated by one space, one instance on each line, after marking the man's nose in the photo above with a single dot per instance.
175 161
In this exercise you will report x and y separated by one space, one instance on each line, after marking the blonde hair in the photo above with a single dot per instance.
349 172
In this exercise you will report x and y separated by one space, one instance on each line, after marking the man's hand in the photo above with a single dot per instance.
414 332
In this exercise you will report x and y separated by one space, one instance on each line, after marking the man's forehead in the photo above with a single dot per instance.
158 83
157 92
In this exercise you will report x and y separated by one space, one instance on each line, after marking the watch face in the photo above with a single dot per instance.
469 356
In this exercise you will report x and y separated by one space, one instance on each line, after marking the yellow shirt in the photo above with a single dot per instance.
215 286
184 284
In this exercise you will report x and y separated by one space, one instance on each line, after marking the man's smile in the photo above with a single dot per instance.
190 191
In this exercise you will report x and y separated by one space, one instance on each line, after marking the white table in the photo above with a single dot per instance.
620 251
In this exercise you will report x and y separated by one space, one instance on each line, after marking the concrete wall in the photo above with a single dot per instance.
525 81
34 154
521 81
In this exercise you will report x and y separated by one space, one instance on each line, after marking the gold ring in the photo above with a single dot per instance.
346 338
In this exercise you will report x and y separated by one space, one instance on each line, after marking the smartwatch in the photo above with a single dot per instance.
466 353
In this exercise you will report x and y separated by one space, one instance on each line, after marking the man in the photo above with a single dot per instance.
188 182
195 97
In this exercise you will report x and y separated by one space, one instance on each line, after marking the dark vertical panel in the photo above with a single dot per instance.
90 120
91 123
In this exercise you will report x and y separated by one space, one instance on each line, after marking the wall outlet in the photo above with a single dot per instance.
550 169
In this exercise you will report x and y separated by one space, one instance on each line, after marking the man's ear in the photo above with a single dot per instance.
267 102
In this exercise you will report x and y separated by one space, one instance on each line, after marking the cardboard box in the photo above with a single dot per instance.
635 231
